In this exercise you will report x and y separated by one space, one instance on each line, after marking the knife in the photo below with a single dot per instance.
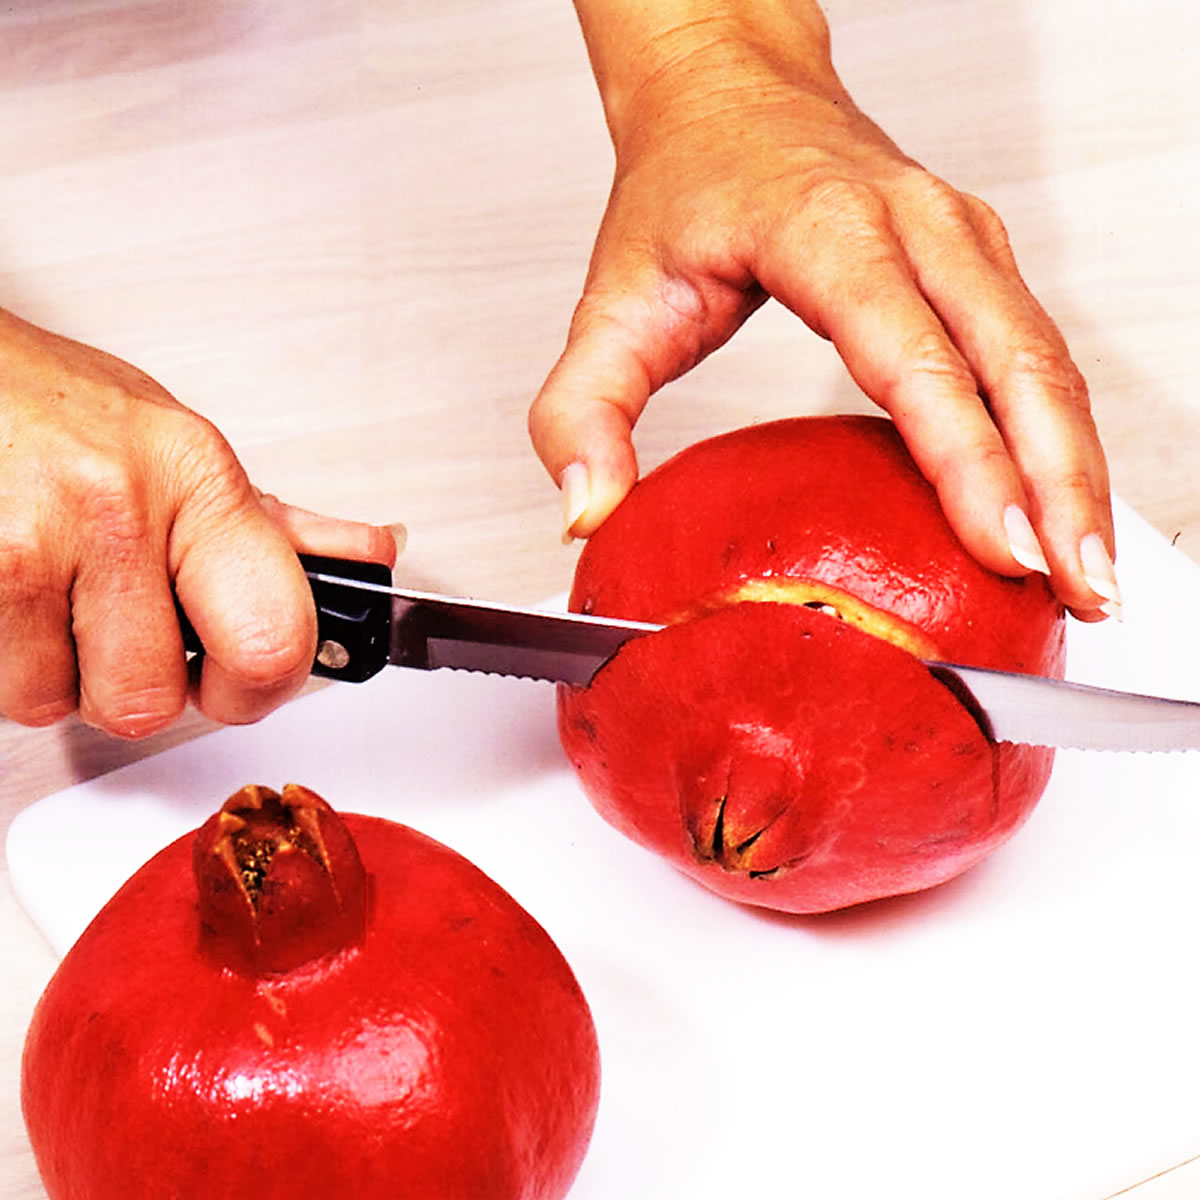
365 623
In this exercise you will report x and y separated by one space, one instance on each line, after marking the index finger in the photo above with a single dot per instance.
1037 397
926 325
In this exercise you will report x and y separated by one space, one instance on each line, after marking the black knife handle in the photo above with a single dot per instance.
353 624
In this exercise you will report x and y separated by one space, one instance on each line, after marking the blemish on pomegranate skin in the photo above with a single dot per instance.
277 1004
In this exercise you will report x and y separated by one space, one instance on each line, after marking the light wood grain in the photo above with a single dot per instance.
352 235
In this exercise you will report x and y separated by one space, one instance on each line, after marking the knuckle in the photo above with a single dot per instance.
37 665
958 214
609 346
960 466
936 195
205 463
270 656
929 352
1050 368
105 501
927 367
24 567
1076 482
944 203
113 512
200 434
987 223
854 206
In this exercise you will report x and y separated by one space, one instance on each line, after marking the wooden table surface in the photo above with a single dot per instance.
352 235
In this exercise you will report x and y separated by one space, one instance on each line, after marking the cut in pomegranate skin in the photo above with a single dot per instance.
781 741
296 1005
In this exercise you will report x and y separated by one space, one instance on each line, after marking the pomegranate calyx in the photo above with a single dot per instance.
752 813
279 881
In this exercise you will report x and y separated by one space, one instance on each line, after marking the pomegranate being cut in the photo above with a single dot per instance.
296 1005
781 741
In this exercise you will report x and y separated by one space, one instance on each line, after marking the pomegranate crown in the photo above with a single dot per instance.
279 880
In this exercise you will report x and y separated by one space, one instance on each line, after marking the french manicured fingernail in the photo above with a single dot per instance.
1022 541
400 533
1100 574
575 494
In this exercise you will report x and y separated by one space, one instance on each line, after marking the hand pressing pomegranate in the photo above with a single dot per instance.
296 1005
781 741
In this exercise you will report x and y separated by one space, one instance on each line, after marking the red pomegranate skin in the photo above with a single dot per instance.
832 499
780 756
833 771
448 1054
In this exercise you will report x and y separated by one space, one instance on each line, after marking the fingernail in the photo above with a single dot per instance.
1100 574
575 493
1022 541
400 533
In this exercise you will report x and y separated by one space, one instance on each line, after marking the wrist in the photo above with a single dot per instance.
648 58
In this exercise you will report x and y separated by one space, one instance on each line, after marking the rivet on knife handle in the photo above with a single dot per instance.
353 625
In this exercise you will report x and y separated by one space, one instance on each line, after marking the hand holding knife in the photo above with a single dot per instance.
365 624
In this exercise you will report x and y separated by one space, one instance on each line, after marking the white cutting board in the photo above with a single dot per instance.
1031 1030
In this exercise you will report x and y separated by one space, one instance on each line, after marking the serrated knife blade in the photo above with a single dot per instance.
432 631
367 623
1054 712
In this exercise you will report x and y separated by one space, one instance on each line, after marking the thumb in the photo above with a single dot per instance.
634 330
243 589
581 425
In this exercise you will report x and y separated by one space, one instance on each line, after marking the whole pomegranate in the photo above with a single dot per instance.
781 741
295 1004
